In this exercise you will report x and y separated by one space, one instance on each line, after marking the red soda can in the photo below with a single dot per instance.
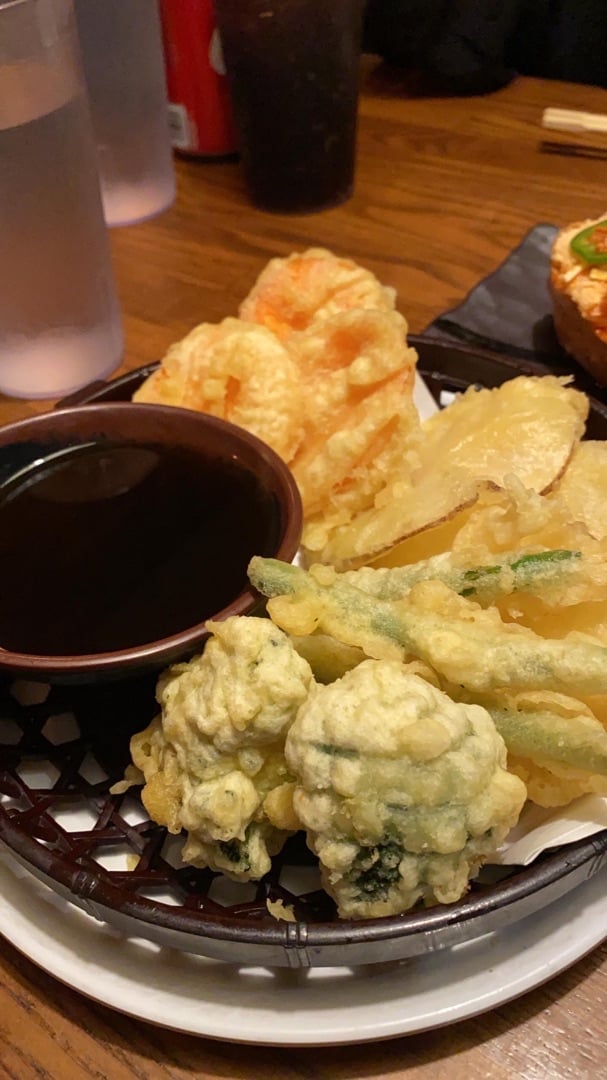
200 110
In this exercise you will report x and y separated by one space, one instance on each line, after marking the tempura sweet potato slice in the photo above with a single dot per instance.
527 428
583 486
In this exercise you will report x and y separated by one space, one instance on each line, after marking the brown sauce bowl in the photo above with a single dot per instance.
217 464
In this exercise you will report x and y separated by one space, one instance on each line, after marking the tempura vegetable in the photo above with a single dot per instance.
403 792
516 518
467 645
328 658
515 522
556 744
539 573
446 650
217 750
527 428
583 487
545 736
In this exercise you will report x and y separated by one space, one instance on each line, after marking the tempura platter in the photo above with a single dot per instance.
63 747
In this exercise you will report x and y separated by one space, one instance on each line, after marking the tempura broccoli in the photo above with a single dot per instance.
216 751
403 792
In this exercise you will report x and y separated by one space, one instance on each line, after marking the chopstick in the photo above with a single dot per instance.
574 149
571 120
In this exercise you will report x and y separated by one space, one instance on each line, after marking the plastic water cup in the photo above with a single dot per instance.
122 54
60 325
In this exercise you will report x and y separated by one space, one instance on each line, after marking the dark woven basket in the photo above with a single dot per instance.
61 755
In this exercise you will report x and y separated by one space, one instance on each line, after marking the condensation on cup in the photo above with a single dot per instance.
60 325
123 58
200 108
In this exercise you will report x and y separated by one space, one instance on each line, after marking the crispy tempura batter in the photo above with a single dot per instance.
527 428
217 749
583 486
238 371
309 286
335 400
547 698
491 517
466 644
360 422
403 792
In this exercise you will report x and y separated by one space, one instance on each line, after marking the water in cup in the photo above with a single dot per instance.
60 325
122 54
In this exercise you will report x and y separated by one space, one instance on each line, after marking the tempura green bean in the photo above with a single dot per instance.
478 652
535 572
577 741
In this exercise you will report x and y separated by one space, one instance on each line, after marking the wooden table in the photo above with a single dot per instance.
445 188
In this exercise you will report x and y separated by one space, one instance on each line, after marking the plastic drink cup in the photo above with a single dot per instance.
293 67
123 58
60 325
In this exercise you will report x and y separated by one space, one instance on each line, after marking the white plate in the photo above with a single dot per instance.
295 1008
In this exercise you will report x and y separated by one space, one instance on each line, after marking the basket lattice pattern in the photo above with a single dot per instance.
63 747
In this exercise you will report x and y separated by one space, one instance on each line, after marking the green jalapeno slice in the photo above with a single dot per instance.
591 243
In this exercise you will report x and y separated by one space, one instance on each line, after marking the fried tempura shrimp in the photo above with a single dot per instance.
292 293
346 467
346 357
357 376
238 371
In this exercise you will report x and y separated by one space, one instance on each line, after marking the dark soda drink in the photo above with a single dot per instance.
293 67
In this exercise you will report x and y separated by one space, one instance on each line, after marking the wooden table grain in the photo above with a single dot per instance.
445 188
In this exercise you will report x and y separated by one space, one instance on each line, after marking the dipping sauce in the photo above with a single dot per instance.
106 545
